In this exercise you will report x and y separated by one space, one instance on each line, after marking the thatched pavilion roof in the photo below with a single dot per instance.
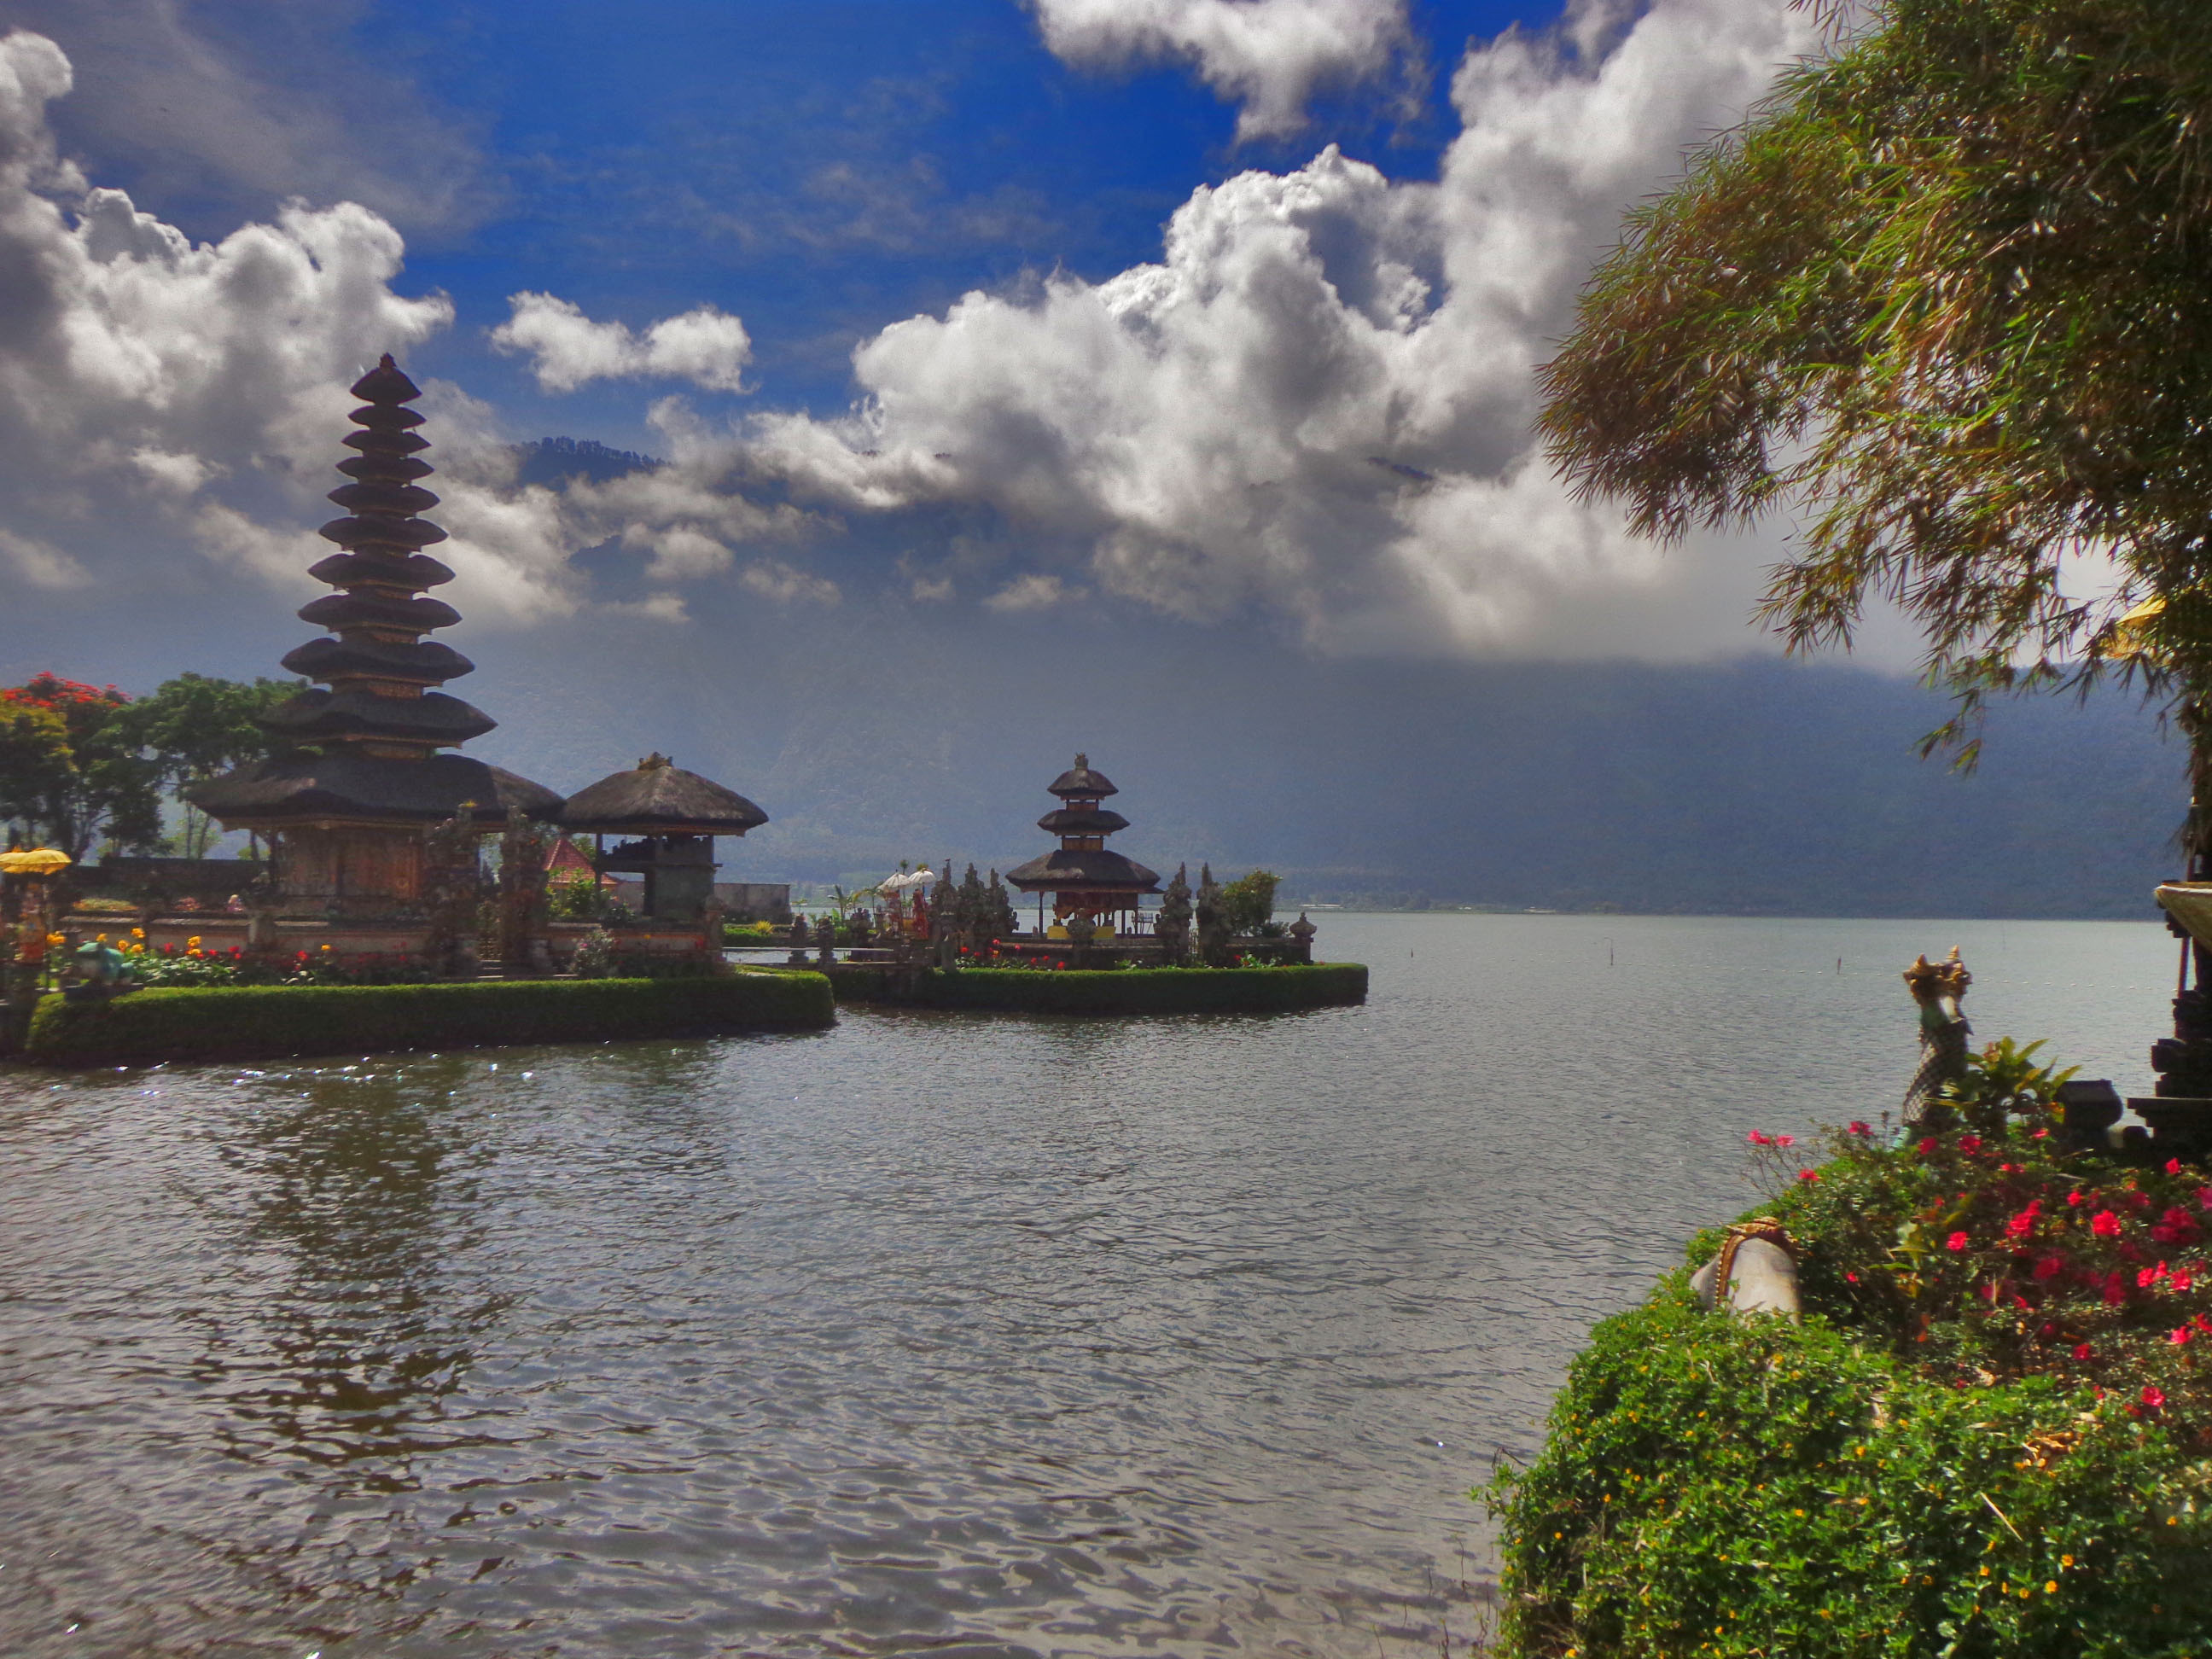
659 798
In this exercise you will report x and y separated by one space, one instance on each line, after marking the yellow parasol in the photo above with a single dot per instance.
42 861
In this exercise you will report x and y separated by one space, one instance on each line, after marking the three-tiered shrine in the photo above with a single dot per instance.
1084 877
344 804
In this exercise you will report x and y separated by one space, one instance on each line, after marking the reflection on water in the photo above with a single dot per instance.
932 1333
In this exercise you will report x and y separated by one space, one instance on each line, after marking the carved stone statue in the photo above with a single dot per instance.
452 894
825 941
1301 936
1938 988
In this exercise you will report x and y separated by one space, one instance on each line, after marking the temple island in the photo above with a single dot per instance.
377 920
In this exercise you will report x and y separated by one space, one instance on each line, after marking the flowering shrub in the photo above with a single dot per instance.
190 964
1988 1435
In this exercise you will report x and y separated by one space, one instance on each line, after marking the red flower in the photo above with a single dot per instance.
2024 1224
2173 1166
2180 1279
2050 1266
2150 1276
2182 1333
1859 1128
2077 1198
1970 1143
1851 1278
2040 1134
2176 1226
2105 1225
1928 1148
1956 1241
2153 1395
1785 1141
2081 1351
2116 1289
1809 1174
1758 1139
2205 1197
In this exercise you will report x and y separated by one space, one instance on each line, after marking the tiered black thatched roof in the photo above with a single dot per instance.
659 798
379 725
1082 868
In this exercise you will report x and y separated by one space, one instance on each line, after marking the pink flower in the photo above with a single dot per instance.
2153 1395
1850 1278
2105 1225
1758 1139
1970 1143
1859 1128
2084 1353
1956 1241
1928 1148
1808 1176
1785 1141
2040 1134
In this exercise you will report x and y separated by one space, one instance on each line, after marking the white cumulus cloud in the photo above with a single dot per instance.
1269 57
1318 403
567 349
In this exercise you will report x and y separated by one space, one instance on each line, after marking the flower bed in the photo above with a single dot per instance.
1105 991
1988 1437
259 1022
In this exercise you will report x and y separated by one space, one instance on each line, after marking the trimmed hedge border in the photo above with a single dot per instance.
270 1022
1125 991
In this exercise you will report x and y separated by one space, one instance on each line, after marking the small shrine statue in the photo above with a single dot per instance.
100 970
1302 934
1938 988
1171 926
825 941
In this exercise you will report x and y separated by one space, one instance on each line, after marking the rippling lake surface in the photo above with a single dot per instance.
934 1333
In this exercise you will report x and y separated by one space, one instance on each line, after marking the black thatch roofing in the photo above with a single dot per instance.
346 784
1080 780
659 798
432 718
1063 871
1082 821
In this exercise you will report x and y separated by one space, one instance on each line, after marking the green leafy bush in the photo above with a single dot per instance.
1748 1487
269 1021
1249 902
1987 1438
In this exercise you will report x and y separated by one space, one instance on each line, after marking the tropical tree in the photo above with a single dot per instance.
195 727
1248 904
71 777
1944 294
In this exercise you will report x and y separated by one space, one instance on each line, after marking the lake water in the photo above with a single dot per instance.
947 1333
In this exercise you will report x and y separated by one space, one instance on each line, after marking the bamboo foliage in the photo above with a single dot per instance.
1948 295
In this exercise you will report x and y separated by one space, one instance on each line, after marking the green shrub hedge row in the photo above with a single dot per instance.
268 1022
1749 1486
1124 991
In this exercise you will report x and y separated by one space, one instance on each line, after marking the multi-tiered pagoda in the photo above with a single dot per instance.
344 806
1084 877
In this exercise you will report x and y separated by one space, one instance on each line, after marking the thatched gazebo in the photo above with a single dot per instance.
673 816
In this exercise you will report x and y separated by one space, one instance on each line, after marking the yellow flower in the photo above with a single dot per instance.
2050 1587
55 940
137 932
100 938
193 943
326 947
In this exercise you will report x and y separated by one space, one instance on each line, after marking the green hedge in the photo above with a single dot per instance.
1126 991
266 1021
1744 1486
